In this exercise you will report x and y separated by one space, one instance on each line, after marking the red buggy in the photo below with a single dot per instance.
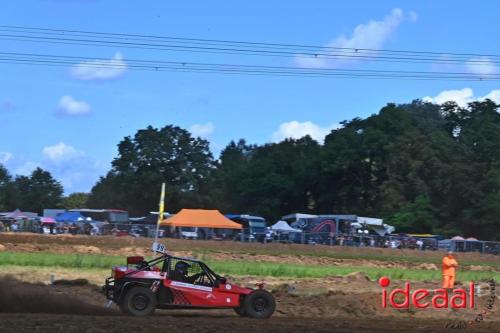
169 282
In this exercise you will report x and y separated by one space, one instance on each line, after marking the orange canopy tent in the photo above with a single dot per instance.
200 218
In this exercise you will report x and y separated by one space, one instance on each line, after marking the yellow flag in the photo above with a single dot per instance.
161 210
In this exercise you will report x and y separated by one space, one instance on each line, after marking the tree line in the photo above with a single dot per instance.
423 167
35 192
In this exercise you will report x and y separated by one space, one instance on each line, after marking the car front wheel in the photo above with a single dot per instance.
139 301
259 304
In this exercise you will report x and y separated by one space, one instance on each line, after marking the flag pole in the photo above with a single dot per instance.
160 212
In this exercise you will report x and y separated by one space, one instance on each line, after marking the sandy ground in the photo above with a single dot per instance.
193 323
80 308
333 304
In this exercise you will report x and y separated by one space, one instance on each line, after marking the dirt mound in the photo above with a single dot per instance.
478 268
63 236
76 282
330 305
356 277
21 297
427 267
87 249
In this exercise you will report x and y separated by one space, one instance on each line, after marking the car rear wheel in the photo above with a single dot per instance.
139 301
259 304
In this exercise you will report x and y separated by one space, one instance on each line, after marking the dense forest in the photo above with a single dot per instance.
420 166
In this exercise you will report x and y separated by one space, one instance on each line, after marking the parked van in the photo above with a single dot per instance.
189 232
254 227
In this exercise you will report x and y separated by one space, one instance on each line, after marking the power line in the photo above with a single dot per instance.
89 61
166 43
273 53
230 42
151 65
209 71
86 38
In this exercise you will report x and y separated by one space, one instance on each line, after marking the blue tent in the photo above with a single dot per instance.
70 217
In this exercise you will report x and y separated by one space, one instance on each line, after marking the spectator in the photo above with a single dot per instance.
73 229
449 266
14 226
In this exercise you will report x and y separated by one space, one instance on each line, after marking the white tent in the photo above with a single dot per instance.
370 221
298 216
375 224
282 226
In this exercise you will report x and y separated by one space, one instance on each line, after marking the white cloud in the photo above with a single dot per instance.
296 130
74 169
370 35
100 69
60 152
5 156
480 66
79 176
26 168
494 95
462 97
71 107
202 130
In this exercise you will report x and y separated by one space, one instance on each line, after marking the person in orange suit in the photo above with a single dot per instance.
449 266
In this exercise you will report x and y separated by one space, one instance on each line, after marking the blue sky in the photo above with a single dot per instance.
69 120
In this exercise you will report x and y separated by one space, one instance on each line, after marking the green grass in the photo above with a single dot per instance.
203 253
317 271
82 261
59 260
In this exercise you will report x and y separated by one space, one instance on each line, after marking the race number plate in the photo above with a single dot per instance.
159 247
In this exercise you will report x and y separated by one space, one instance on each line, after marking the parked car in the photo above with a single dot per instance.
189 232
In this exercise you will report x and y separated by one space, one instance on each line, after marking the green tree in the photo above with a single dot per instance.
226 178
5 187
75 200
387 164
36 192
169 154
416 217
423 167
270 180
476 129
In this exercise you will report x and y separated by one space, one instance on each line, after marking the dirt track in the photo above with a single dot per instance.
333 304
67 307
196 322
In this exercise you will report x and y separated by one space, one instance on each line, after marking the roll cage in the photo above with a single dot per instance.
168 262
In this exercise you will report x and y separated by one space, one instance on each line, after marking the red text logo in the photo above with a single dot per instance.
401 298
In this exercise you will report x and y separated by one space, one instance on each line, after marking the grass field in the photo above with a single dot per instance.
394 257
111 245
269 269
